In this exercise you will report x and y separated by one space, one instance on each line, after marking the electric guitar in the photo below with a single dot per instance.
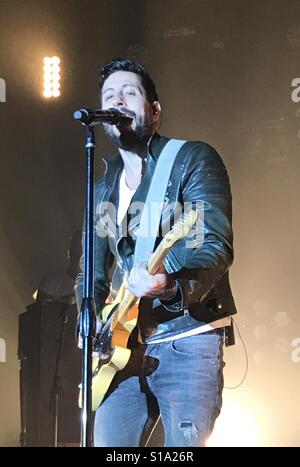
120 317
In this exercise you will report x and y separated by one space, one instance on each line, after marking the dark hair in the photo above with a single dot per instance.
126 64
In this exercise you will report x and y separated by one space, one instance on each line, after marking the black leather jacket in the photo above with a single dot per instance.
204 293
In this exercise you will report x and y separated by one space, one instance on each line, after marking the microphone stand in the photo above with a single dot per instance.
87 312
90 118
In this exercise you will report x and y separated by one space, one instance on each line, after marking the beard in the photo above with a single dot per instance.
131 139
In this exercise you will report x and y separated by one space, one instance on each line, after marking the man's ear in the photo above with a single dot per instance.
156 110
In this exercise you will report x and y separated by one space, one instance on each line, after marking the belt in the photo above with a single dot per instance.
183 326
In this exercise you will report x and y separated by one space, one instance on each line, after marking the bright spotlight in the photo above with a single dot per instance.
51 77
47 93
235 427
47 61
55 60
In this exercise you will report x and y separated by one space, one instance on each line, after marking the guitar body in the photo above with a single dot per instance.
116 349
104 374
120 318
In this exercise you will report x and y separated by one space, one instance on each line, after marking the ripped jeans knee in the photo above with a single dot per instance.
189 431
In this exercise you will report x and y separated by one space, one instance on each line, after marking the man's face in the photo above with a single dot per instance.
123 90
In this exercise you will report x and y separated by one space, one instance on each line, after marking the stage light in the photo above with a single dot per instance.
55 60
51 77
235 427
47 61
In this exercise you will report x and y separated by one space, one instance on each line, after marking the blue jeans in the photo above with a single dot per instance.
187 384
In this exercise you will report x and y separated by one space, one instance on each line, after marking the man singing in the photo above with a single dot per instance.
185 307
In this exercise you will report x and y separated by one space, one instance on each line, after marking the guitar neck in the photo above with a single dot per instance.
158 256
179 230
129 299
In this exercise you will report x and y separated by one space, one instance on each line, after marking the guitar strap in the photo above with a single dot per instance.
151 215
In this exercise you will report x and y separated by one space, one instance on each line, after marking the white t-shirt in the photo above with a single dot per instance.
125 195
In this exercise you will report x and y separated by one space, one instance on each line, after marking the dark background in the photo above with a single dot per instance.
224 70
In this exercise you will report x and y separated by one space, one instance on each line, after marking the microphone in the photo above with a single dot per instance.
93 117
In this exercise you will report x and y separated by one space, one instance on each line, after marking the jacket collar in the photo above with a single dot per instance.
114 165
155 146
